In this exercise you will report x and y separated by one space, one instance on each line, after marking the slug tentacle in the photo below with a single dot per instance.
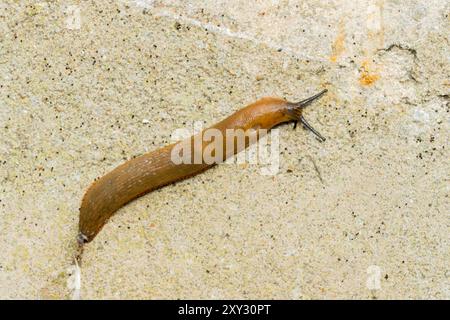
308 101
310 128
296 110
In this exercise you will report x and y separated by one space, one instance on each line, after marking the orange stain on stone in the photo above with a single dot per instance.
338 46
367 77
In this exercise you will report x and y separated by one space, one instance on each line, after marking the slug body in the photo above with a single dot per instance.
156 169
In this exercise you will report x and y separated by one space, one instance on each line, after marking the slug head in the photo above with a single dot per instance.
295 111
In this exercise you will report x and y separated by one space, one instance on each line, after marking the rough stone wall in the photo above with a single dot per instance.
87 84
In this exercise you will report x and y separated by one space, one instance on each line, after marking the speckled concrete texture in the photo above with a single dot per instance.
85 85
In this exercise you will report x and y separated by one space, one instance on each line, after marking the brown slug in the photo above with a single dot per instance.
155 169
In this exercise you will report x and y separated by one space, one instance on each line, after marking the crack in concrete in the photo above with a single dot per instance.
242 35
400 47
411 51
316 168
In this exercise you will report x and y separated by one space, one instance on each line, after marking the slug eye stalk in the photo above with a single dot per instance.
310 128
308 101
297 111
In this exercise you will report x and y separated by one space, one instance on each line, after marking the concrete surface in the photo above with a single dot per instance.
87 84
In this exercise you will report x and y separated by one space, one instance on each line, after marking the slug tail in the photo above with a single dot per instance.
81 238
